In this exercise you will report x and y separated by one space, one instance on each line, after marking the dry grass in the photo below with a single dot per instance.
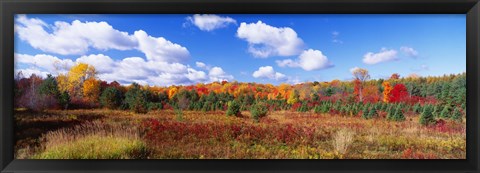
214 135
342 140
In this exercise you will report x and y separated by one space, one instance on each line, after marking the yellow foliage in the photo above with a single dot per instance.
91 89
386 91
77 75
171 92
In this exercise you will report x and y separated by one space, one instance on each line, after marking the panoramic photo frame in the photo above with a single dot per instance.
295 92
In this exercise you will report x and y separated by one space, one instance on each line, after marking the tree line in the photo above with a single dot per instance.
433 97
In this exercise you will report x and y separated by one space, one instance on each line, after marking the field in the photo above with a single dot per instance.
163 134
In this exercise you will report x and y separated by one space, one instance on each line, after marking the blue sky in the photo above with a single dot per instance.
187 49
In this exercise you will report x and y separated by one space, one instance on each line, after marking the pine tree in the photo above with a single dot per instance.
445 112
416 108
457 115
427 118
398 116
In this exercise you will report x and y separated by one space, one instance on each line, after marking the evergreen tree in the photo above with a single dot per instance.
445 112
427 118
457 115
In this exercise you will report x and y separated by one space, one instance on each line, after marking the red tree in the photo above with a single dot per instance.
399 93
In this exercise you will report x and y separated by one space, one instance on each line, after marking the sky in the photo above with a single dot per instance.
185 49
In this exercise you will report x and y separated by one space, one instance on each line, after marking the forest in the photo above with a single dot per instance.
76 115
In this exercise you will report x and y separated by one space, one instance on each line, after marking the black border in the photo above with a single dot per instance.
10 7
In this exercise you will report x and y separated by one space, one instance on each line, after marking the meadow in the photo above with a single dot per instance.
77 116
163 134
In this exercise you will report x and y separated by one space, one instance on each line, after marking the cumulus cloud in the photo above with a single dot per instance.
71 38
102 63
309 60
125 71
384 55
409 51
77 38
266 41
160 49
267 72
50 63
29 71
217 74
210 22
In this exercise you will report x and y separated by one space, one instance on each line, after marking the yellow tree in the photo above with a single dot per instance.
91 89
293 97
77 75
62 82
386 91
171 92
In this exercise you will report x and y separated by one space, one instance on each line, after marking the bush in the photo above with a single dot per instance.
427 118
111 98
233 108
154 106
259 110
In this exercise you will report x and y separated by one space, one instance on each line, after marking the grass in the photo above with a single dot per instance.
206 135
96 147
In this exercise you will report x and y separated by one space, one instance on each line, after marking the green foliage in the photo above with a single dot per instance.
396 114
303 107
365 111
456 115
416 108
111 98
179 114
64 99
49 87
233 108
445 112
427 118
154 106
259 110
137 99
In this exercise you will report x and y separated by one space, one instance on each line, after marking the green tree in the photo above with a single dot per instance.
136 99
456 115
111 98
233 108
427 118
259 110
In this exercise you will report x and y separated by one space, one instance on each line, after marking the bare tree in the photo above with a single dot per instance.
361 75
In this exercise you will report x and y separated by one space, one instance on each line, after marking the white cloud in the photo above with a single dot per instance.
125 71
78 37
217 74
29 71
102 63
335 39
384 55
265 40
50 63
72 38
309 60
409 51
200 64
160 49
210 22
267 72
